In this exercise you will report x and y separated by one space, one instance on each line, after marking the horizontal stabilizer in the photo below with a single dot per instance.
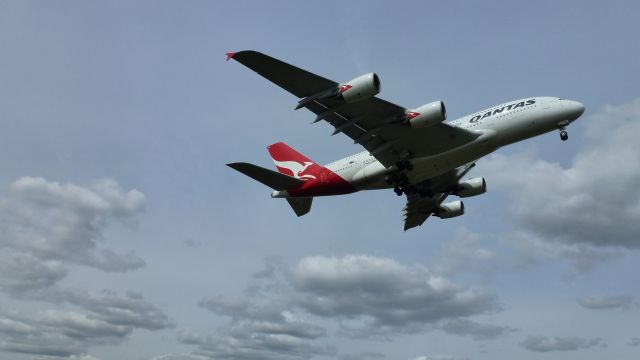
272 179
300 206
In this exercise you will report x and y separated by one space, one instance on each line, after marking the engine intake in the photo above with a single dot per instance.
450 210
426 115
471 187
360 88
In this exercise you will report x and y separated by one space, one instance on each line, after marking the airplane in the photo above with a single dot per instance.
410 150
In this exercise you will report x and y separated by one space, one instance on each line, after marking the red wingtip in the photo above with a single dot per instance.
230 55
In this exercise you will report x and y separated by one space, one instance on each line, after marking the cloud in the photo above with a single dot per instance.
634 341
474 329
64 223
367 296
46 228
390 297
588 210
437 357
108 319
257 331
546 344
595 302
179 357
369 355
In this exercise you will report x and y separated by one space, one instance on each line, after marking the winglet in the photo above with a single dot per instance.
230 55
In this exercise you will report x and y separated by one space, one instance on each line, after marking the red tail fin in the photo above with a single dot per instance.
292 163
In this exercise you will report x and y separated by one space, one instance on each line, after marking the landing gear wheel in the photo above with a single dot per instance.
409 166
398 191
564 135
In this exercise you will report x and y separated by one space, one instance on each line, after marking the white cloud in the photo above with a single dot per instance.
546 343
55 222
588 210
389 296
107 318
47 227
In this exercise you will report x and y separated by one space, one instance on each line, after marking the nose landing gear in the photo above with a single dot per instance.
564 135
563 132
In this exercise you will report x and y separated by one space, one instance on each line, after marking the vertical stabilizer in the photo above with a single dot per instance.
290 162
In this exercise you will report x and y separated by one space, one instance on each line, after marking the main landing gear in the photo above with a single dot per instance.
401 184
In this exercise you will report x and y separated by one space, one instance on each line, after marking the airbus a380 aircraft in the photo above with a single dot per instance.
411 150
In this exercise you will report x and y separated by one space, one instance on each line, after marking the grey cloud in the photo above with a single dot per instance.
591 202
474 329
222 305
28 335
437 357
55 222
21 272
253 340
368 296
179 357
47 226
634 341
546 344
257 331
368 355
390 296
109 319
70 357
131 310
595 302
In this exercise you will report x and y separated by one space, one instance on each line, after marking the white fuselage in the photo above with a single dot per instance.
497 126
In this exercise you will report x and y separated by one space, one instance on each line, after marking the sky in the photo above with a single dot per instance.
123 235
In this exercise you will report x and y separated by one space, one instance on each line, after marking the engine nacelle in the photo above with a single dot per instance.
471 187
426 115
450 210
360 88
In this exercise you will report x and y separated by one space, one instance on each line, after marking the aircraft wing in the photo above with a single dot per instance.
418 208
371 122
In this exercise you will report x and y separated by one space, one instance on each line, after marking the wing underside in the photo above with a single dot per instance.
418 208
373 122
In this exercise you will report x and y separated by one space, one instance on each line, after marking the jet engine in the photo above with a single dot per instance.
471 187
450 210
360 88
426 115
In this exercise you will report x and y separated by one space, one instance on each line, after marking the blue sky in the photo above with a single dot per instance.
124 236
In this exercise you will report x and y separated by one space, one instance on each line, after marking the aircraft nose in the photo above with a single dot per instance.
574 108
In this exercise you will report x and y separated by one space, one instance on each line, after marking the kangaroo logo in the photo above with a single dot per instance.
296 168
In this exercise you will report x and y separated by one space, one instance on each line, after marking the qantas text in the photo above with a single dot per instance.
498 111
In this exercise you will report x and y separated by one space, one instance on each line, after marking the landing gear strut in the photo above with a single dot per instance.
404 164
